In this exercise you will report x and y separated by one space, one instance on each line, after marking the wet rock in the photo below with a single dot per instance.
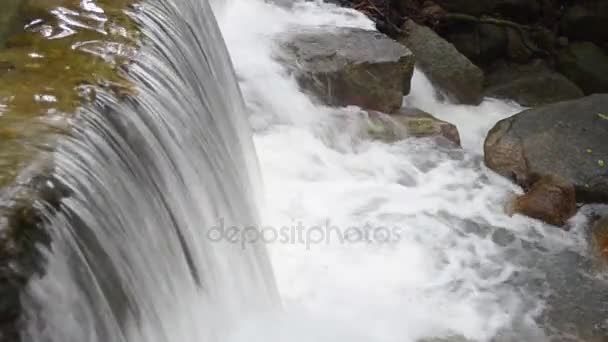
586 21
412 122
445 66
522 10
21 236
586 65
600 237
530 85
550 199
481 43
346 66
566 139
9 15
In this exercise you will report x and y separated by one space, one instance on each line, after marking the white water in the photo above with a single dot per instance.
443 274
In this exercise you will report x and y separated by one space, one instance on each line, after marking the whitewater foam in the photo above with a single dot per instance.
452 271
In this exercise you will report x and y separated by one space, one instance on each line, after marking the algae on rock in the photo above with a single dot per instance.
52 65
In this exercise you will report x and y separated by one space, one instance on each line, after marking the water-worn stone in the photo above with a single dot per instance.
599 233
586 65
412 122
530 85
347 66
551 199
9 15
447 68
566 139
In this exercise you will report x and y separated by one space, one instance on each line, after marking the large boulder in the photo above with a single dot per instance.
348 66
9 15
567 139
586 21
586 65
447 68
530 85
411 122
481 43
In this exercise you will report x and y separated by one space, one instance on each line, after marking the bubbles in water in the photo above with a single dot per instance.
454 261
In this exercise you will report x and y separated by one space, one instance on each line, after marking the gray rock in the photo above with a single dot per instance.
586 65
346 66
566 139
530 85
447 68
481 43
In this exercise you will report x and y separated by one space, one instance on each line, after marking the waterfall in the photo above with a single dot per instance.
132 258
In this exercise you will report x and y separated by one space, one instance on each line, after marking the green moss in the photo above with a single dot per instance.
421 126
45 74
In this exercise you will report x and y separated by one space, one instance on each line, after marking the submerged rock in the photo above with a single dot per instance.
347 66
600 237
9 16
447 68
586 65
566 139
412 122
530 85
550 199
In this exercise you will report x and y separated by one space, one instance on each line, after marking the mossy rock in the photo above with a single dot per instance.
48 70
9 18
411 123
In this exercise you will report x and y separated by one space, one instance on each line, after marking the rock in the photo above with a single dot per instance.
586 21
599 233
447 68
566 139
22 234
530 85
346 66
521 10
481 43
551 199
9 14
586 65
411 122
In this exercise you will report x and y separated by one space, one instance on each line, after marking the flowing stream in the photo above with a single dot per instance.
368 241
453 264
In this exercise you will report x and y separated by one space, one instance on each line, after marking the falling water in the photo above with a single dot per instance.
132 257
